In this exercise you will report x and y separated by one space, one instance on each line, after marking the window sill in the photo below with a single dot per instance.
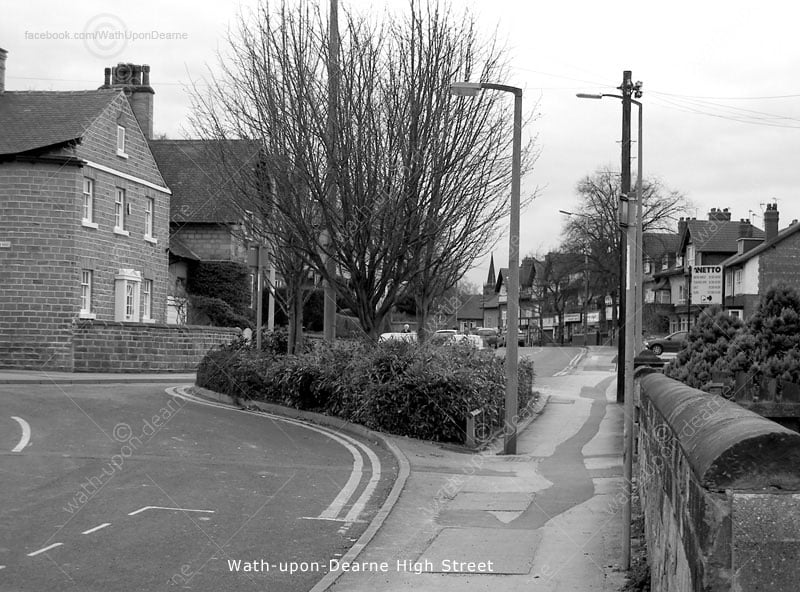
122 154
151 240
89 224
149 321
121 232
87 315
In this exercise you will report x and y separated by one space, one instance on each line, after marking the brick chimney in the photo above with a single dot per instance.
771 221
682 224
134 80
3 54
719 215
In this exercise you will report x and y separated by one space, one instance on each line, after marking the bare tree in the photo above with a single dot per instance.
559 282
455 153
594 229
420 176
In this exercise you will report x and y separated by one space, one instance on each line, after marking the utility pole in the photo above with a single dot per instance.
329 306
625 190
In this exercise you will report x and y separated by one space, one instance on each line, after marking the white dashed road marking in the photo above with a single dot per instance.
96 528
44 549
140 510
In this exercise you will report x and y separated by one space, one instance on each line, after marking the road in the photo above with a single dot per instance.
130 487
550 361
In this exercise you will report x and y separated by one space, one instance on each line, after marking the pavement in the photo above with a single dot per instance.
548 518
47 377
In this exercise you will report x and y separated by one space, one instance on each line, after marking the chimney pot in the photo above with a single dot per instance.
3 54
771 221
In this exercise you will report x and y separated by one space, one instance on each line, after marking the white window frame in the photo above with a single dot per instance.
737 282
87 277
120 205
127 293
147 300
121 142
87 212
149 219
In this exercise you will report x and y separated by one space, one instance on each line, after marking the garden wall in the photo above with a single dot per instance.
720 489
100 346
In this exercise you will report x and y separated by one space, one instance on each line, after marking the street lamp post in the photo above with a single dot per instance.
471 89
633 330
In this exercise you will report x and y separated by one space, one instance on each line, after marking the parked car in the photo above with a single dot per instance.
489 335
501 341
671 343
443 335
475 341
412 337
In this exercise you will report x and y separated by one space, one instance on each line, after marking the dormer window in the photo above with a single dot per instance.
121 142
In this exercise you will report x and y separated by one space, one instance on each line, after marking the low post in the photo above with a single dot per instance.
470 440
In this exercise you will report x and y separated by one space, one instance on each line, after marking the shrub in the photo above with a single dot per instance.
218 312
275 341
769 346
226 280
707 349
403 388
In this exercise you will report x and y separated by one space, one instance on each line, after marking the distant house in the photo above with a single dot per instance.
703 243
470 313
83 215
207 223
659 264
761 262
495 295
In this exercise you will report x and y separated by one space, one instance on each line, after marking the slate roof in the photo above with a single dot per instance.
783 234
656 244
714 236
35 120
179 249
202 190
471 307
527 273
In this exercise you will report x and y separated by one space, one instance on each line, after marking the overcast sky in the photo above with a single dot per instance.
721 87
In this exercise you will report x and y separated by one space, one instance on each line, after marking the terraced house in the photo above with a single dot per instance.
84 216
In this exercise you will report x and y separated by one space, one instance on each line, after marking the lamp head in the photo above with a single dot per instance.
465 89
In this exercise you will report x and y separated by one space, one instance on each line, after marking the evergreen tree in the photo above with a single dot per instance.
707 349
769 348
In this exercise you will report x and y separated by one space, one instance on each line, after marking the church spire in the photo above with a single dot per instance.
491 280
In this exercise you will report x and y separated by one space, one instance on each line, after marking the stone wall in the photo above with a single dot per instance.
39 279
100 346
720 489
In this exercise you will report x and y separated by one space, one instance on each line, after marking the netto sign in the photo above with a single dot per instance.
706 284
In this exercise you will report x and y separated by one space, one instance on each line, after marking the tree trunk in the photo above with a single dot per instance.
295 306
423 317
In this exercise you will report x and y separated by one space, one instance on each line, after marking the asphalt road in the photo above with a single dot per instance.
549 361
127 487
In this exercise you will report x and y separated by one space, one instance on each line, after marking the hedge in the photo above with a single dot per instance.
417 390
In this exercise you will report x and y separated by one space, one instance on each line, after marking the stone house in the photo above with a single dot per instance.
761 262
206 222
84 231
83 217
